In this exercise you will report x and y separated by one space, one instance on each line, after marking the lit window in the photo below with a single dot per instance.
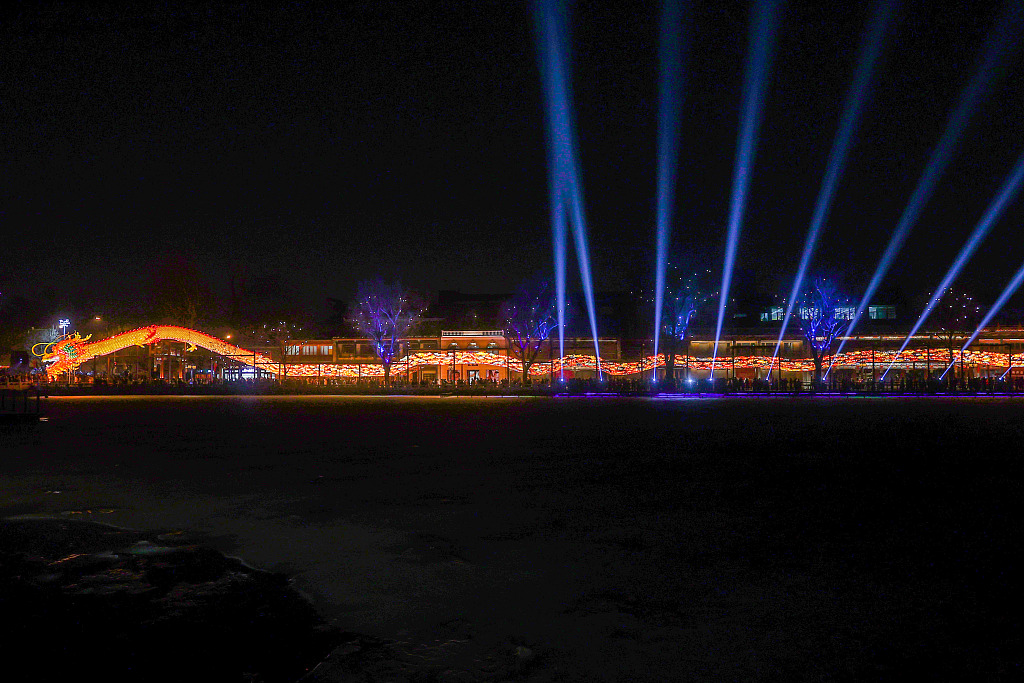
772 313
808 313
882 312
846 312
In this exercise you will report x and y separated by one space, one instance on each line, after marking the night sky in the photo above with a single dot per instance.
335 143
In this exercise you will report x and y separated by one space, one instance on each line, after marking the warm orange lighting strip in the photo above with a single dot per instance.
71 352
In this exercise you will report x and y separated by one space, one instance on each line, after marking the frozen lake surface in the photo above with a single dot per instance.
617 539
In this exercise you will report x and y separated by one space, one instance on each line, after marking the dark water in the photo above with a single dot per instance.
617 539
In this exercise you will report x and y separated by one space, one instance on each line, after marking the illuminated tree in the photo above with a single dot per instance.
821 316
684 297
954 318
527 319
385 313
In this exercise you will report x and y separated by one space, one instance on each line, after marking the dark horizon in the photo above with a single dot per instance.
406 140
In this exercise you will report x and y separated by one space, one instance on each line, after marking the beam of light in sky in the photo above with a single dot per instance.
556 176
762 41
559 246
670 99
567 184
1007 193
948 368
579 234
1011 288
1003 34
852 106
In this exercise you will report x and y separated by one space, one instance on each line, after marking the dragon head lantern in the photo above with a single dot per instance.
64 354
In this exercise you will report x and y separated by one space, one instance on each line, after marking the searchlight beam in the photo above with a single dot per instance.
762 41
996 47
670 98
852 106
1007 193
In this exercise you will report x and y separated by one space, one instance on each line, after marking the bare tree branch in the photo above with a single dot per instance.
385 313
527 319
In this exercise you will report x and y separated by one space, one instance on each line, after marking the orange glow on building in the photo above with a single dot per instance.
69 353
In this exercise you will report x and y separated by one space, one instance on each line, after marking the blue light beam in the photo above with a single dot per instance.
948 368
579 234
558 236
1011 288
670 94
566 183
852 106
550 65
1003 34
762 41
1007 193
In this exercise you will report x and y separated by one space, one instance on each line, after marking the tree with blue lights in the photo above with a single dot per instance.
386 313
821 315
527 319
684 297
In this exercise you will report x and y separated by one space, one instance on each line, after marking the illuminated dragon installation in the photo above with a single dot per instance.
69 353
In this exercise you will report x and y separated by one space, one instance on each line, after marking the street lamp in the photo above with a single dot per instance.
64 324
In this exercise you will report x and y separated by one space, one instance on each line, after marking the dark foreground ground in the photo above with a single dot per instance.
552 539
